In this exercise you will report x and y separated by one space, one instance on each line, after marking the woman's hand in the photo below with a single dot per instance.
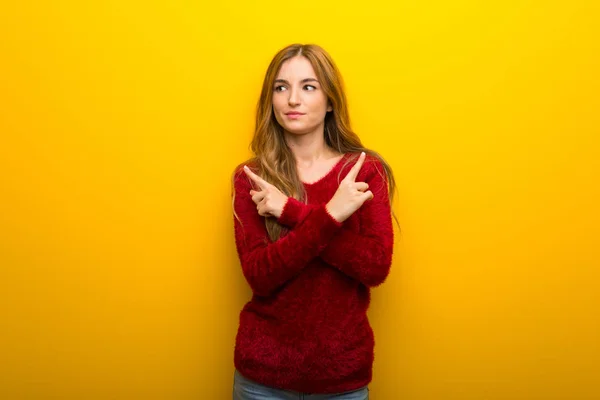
269 200
350 195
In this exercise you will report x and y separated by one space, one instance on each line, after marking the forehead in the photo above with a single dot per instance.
296 68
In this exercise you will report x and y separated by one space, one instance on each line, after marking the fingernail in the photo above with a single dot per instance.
246 167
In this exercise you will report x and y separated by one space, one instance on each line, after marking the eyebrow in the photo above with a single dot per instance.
302 81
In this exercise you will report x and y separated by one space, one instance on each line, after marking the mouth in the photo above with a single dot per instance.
293 115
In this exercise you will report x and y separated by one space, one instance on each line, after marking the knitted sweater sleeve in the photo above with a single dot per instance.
267 265
365 255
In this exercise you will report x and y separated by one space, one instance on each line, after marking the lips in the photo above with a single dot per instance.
293 116
294 113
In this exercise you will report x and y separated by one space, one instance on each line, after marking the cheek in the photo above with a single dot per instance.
278 109
277 104
319 108
318 104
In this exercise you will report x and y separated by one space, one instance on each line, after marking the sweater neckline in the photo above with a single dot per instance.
331 171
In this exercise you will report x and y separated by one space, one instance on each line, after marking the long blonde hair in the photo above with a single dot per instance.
273 160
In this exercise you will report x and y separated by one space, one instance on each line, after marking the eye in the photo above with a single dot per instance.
279 88
311 87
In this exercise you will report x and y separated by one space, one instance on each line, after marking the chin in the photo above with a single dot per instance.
295 130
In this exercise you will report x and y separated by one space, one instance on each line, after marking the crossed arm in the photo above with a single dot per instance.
313 232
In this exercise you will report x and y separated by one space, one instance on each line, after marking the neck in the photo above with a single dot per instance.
309 147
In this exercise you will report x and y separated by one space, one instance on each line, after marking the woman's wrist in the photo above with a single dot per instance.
333 214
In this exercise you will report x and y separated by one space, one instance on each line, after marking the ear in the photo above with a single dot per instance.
329 107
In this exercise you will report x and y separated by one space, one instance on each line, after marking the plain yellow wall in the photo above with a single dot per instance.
121 122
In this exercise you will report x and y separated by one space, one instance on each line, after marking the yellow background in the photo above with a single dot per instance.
121 122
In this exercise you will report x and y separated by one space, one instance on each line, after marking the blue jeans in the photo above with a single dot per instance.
245 389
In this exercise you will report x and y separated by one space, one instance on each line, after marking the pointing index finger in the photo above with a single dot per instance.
356 168
257 179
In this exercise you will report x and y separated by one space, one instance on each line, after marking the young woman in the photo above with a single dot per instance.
313 231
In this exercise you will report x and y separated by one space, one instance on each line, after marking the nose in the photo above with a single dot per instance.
293 100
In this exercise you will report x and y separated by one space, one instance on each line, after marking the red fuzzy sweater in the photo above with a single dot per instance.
305 328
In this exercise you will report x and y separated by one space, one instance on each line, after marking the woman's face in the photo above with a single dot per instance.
299 103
